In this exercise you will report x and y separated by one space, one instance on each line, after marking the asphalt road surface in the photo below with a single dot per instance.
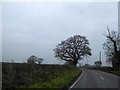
96 79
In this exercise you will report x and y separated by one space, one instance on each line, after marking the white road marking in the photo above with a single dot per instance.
76 81
102 78
99 76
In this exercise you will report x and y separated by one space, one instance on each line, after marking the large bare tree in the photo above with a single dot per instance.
73 49
112 48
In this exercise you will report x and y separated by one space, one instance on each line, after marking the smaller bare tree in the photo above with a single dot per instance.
39 60
34 60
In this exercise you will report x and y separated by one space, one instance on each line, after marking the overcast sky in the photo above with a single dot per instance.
36 28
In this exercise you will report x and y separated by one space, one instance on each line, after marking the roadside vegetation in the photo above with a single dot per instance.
108 69
22 75
115 72
60 79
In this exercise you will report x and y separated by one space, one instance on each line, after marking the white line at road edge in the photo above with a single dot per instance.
76 80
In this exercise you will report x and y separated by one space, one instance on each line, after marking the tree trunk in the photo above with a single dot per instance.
115 65
75 63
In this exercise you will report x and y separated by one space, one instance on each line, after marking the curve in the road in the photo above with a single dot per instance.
96 79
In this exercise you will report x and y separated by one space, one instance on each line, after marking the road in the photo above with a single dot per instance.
96 79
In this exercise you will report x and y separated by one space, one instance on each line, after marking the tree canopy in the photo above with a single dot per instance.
73 49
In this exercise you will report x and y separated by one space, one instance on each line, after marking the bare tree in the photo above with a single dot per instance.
73 49
34 60
112 48
12 61
39 60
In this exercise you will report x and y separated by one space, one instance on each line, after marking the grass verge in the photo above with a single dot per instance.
108 70
58 79
114 72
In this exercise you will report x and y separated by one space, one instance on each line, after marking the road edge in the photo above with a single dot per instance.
76 80
108 73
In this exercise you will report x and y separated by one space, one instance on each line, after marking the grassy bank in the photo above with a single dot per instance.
37 76
58 79
114 72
